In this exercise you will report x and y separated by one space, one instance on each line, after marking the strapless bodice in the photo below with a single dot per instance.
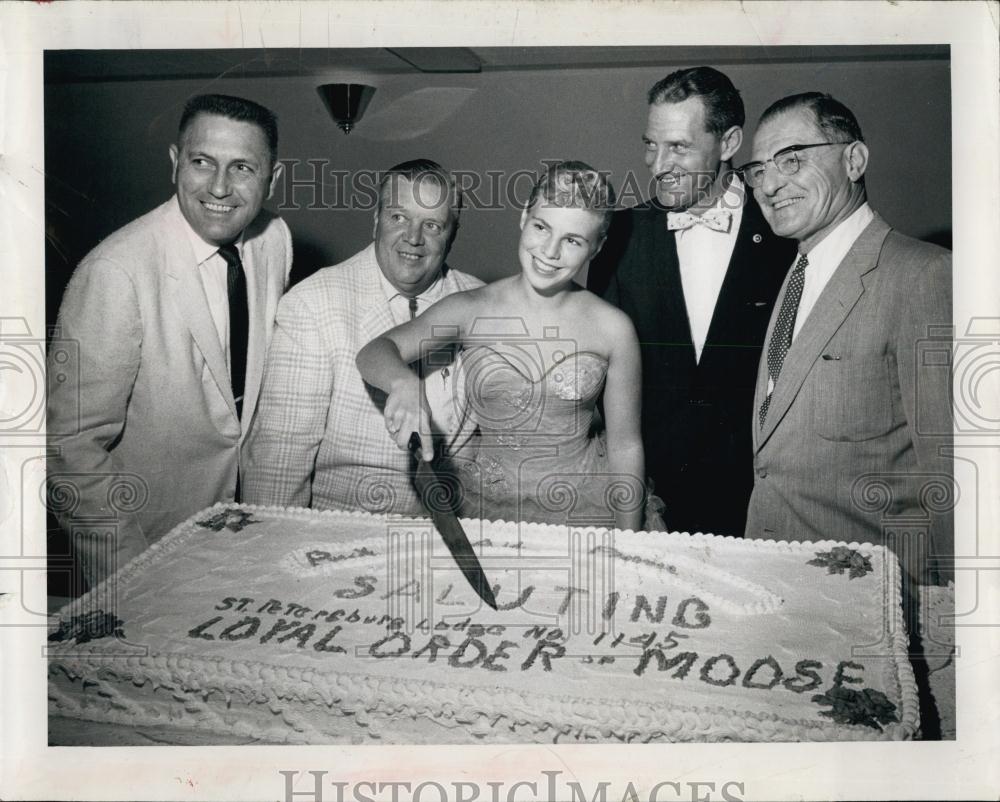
538 459
514 396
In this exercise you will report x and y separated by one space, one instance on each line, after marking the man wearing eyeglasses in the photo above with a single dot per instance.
698 270
852 415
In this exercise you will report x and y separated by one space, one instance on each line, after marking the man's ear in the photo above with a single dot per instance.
856 160
174 156
276 174
730 143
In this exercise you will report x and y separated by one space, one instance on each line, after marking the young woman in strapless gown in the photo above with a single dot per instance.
536 351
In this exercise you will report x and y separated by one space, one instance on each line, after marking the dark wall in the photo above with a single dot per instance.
106 146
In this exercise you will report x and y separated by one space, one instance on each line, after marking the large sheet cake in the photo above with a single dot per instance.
335 627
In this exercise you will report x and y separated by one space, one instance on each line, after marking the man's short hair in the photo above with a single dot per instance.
575 185
233 108
833 118
417 169
723 104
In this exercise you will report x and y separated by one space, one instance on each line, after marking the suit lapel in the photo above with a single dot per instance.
376 319
259 278
832 307
188 295
760 391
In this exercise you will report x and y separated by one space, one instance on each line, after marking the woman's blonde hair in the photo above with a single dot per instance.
575 185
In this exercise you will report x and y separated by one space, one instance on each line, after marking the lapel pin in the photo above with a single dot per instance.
757 238
831 356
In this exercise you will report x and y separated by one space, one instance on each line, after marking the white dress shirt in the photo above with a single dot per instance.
399 304
214 273
703 255
438 384
825 257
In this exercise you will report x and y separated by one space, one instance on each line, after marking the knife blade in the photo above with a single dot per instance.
424 479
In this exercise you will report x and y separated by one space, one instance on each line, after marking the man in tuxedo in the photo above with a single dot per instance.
172 315
320 437
697 269
852 413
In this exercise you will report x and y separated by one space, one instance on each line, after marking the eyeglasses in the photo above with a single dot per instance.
786 161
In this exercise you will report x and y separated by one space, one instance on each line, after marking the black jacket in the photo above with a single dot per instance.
696 417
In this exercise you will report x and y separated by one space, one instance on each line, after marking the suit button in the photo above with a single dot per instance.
762 473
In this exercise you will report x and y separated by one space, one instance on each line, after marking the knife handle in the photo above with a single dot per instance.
416 447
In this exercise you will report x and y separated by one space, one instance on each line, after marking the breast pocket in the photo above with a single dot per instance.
853 398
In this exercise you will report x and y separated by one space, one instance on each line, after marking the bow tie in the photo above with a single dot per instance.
715 219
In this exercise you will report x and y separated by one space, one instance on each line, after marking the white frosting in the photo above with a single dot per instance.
296 587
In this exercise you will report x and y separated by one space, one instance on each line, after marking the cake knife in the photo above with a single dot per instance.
447 524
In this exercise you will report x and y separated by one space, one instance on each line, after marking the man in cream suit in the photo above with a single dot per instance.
852 419
319 439
172 315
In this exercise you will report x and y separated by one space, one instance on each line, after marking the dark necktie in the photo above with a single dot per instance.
781 337
413 308
239 322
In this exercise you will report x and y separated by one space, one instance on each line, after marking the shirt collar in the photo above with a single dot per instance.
431 294
206 250
835 245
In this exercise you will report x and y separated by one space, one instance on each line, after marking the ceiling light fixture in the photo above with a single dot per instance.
346 102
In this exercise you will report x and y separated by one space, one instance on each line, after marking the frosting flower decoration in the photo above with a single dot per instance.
840 559
90 626
232 519
849 706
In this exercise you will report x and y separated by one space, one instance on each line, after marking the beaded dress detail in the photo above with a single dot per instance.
538 459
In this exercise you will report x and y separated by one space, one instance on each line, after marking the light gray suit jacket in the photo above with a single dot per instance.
319 438
855 446
144 424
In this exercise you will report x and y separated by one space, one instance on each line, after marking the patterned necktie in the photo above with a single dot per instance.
239 322
413 308
781 337
715 219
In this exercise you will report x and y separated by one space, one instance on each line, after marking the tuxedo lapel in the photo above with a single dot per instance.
188 296
663 278
739 287
832 307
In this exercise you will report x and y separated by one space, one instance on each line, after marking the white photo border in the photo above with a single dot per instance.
964 768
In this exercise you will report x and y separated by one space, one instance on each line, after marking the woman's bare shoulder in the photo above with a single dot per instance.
606 317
